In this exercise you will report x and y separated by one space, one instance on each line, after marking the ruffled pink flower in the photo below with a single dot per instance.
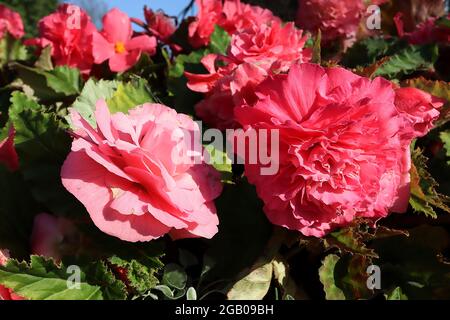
233 16
239 16
69 33
344 146
161 25
5 293
50 234
117 44
273 46
136 178
11 22
253 54
426 32
336 19
201 29
8 154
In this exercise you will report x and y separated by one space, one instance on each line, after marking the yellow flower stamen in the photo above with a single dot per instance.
120 47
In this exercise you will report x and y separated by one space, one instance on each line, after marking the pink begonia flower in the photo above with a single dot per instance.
161 25
201 29
344 146
427 32
336 19
50 234
233 16
117 44
135 176
238 16
5 293
11 22
253 54
69 33
8 154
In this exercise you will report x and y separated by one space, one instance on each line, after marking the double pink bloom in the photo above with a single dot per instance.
231 15
135 176
344 146
254 53
10 22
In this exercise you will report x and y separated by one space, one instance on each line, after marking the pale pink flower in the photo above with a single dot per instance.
50 234
135 176
344 146
117 44
11 22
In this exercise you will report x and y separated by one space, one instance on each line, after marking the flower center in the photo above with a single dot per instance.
120 47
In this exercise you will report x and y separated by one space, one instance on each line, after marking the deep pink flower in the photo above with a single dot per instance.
5 293
201 29
238 16
272 46
161 25
344 146
336 19
427 32
117 44
49 234
69 33
253 54
233 16
11 22
135 176
8 154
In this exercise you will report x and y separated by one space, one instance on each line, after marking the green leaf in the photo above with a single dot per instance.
97 273
351 276
129 95
237 202
12 49
191 294
326 274
424 196
220 40
445 137
42 144
253 286
367 51
181 98
415 263
64 80
317 50
17 210
141 277
350 240
43 280
52 85
396 294
174 276
91 93
221 162
409 60
44 61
